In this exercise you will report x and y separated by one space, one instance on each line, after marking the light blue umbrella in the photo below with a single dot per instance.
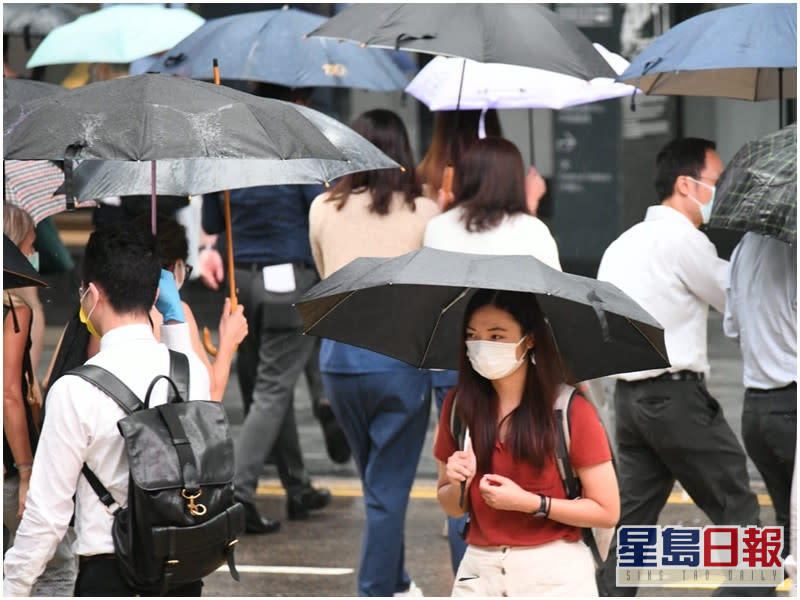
117 34
269 46
748 52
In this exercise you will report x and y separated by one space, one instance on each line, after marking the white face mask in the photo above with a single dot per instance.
494 360
705 209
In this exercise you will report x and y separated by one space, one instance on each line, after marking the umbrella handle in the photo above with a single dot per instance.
447 184
207 343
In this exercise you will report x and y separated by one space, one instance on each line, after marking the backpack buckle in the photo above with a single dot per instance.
196 510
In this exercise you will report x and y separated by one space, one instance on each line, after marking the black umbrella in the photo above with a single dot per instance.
758 189
17 270
411 308
17 90
38 19
515 34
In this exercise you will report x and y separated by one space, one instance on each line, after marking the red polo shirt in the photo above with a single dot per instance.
493 527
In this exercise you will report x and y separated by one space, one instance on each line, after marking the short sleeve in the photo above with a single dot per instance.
588 440
445 445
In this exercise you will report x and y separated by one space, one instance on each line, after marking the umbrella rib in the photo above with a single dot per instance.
463 293
330 310
639 329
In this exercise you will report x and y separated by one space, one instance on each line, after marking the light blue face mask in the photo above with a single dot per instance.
33 258
705 209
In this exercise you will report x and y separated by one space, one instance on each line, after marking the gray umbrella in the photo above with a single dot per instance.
18 90
98 179
516 34
160 118
411 308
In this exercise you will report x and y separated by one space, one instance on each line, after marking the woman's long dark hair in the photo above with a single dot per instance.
386 131
531 427
489 183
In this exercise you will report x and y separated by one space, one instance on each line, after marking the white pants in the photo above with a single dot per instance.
557 568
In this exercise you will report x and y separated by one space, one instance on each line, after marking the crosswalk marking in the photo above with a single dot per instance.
285 570
426 490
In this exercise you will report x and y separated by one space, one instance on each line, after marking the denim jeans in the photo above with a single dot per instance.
384 416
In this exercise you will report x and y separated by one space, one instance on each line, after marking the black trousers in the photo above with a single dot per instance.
675 430
100 576
769 430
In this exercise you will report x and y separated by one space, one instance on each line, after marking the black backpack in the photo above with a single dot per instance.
181 521
597 538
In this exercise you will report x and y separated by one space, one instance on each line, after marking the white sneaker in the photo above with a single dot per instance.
412 591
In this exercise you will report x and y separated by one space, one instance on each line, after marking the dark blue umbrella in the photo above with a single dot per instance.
748 52
269 46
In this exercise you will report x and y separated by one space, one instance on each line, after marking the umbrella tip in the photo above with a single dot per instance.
402 169
327 185
363 45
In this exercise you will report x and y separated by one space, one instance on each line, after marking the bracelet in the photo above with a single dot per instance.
207 247
25 466
544 508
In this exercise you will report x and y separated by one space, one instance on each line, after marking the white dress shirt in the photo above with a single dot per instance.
672 270
762 310
81 426
516 234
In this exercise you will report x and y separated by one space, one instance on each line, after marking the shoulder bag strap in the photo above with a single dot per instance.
572 485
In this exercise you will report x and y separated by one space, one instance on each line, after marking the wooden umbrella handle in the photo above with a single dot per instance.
207 343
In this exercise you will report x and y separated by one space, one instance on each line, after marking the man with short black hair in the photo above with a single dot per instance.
668 426
121 279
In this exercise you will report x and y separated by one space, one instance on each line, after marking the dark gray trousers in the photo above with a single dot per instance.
270 361
675 430
769 430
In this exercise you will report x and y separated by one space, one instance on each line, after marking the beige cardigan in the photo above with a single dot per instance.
339 236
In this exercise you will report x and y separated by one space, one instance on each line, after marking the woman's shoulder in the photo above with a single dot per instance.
427 206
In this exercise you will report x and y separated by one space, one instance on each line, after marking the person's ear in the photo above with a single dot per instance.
682 184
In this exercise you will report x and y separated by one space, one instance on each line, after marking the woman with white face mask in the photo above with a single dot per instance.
524 536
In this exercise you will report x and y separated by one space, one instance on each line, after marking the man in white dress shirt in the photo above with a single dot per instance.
668 426
120 279
761 312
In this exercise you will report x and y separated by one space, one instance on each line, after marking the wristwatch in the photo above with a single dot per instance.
544 507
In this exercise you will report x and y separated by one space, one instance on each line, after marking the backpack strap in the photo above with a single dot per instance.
179 373
110 384
569 479
572 485
120 393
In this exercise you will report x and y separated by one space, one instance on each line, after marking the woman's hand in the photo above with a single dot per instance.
461 465
502 493
232 325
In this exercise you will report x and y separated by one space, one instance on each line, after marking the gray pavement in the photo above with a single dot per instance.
319 557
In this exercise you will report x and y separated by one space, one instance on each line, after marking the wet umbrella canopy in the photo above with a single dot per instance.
411 307
758 189
515 34
16 91
153 117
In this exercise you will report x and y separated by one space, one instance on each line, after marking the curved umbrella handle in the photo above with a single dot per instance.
207 343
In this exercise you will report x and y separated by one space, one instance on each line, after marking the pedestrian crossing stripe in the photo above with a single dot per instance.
351 488
286 570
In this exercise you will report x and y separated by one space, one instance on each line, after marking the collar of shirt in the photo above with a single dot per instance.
125 334
660 212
